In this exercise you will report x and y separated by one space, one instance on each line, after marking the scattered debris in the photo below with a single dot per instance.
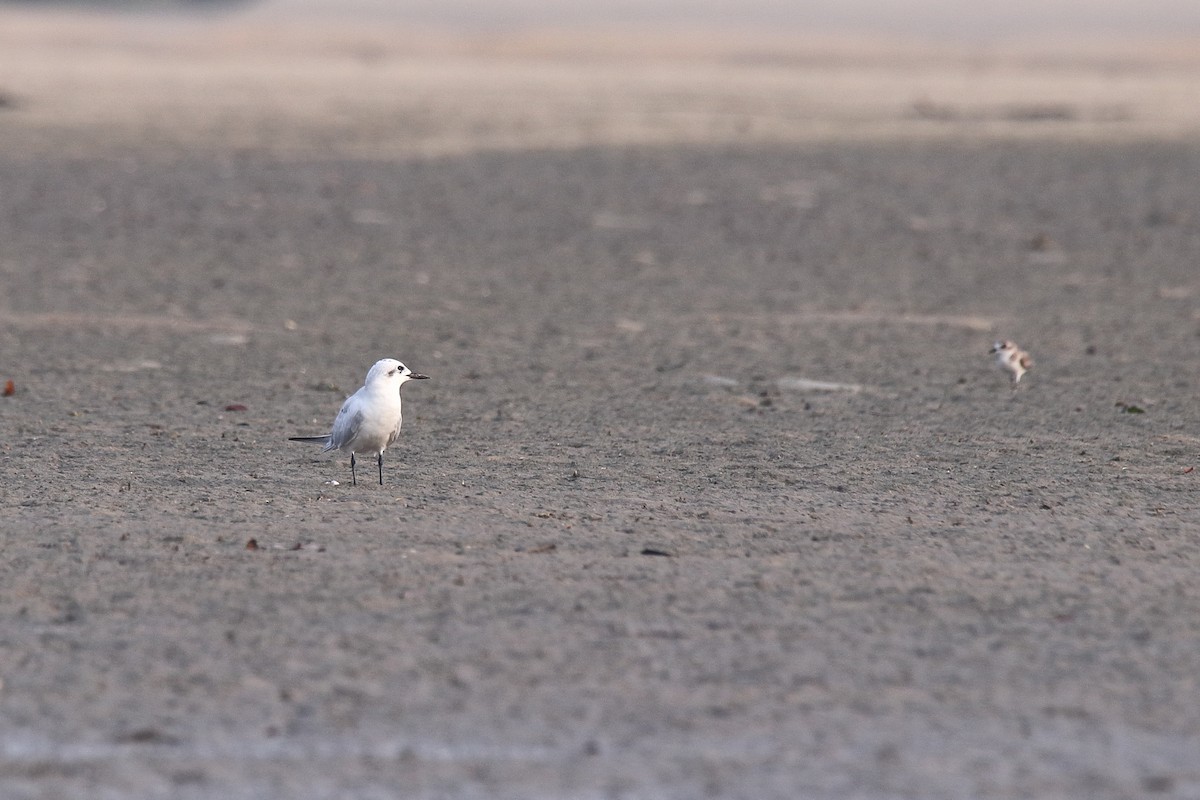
616 221
545 548
131 366
1042 242
1130 408
252 544
1187 470
146 736
10 388
650 551
630 326
235 407
789 384
719 380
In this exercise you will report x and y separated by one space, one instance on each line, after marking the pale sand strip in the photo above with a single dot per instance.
395 93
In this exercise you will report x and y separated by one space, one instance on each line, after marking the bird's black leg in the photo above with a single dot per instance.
353 477
381 469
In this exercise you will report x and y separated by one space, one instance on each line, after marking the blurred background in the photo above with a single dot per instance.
922 18
938 18
405 77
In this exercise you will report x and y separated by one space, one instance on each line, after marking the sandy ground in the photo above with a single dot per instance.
627 547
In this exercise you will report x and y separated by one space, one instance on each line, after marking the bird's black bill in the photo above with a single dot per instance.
416 376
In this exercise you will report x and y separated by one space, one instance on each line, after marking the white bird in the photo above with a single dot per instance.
1012 358
370 418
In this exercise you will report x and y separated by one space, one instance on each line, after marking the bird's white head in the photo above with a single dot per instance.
1003 347
390 371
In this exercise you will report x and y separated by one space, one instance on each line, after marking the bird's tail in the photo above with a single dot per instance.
315 439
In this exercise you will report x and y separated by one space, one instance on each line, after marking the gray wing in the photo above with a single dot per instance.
345 427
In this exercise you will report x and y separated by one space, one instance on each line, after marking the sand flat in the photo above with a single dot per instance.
714 490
